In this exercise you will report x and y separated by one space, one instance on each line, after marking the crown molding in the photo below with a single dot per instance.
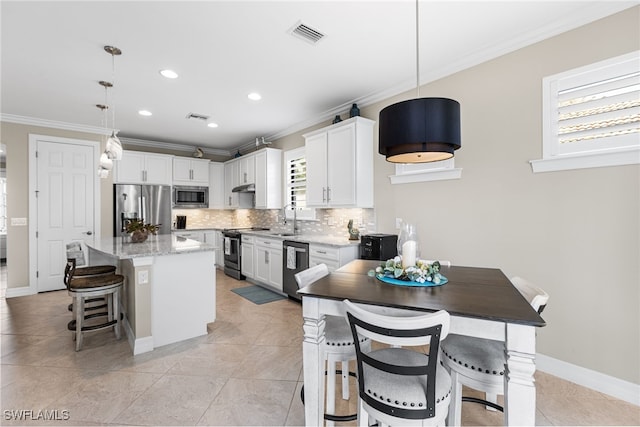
33 121
172 146
567 23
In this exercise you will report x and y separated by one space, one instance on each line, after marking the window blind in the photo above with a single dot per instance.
596 107
297 182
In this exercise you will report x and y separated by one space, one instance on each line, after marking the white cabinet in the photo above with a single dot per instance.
143 168
246 169
230 181
216 185
238 171
334 257
188 171
268 262
340 164
246 256
268 177
193 235
219 244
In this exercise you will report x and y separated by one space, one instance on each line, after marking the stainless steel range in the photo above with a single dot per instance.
231 247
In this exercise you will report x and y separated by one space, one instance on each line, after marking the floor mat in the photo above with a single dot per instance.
257 294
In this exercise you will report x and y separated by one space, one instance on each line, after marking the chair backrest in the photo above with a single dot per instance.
69 270
310 275
399 331
535 295
76 250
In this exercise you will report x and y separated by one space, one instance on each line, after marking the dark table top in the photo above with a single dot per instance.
484 293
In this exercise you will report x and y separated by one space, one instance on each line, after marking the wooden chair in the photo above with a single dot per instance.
75 250
397 385
83 289
479 363
338 346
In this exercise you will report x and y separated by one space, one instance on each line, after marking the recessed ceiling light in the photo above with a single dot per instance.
212 125
170 74
254 96
144 112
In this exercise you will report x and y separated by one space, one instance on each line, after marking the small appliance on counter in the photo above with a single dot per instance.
181 222
378 246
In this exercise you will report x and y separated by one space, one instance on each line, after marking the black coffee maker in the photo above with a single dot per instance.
181 222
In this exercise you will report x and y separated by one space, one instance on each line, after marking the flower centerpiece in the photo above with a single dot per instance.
140 231
421 272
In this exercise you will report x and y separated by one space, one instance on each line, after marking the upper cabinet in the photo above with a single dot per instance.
231 180
246 169
143 168
188 171
340 164
268 178
216 185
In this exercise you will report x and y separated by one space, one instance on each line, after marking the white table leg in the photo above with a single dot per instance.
520 389
313 361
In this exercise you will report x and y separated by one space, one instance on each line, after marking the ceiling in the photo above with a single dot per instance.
52 59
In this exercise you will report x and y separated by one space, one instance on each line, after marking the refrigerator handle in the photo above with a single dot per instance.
142 209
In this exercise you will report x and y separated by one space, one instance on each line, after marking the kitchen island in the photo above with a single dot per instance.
170 287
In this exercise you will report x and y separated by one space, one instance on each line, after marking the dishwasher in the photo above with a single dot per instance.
295 258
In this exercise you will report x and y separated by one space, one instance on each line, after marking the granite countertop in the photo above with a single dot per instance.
187 230
306 238
161 244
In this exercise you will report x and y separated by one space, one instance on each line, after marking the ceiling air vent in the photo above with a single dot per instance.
306 33
197 116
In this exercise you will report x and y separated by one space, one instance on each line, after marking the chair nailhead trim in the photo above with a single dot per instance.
487 371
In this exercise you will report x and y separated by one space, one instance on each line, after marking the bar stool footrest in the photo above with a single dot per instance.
331 417
482 402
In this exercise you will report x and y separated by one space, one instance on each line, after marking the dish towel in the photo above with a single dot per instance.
227 246
291 257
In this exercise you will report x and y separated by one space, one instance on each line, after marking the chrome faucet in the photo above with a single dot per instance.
295 219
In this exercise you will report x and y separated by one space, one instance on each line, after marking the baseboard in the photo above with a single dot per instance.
138 346
612 386
21 291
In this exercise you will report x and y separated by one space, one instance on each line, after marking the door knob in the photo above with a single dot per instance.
89 233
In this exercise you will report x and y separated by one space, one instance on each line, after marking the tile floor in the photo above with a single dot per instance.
246 371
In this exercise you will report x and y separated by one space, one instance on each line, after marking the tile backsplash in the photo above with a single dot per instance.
332 222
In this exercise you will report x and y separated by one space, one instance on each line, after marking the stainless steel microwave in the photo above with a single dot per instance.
190 197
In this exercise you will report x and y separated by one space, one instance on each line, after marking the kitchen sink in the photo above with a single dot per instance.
283 234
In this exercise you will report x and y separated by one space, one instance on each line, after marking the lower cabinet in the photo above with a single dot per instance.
219 239
268 262
193 235
211 237
247 262
334 257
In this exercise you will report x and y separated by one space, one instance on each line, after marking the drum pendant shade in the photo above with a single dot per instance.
419 130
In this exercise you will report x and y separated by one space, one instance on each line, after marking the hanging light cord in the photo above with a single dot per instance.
418 48
113 93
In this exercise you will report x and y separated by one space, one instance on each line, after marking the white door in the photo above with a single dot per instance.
66 175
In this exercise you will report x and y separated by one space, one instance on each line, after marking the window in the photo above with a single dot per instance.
591 116
421 172
295 164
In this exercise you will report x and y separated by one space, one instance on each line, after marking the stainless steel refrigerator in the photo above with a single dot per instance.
150 203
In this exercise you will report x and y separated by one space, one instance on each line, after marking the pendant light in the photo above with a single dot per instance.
105 163
419 130
114 146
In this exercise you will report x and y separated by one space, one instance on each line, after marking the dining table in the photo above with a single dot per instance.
482 302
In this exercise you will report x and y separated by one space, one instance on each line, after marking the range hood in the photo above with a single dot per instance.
246 188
